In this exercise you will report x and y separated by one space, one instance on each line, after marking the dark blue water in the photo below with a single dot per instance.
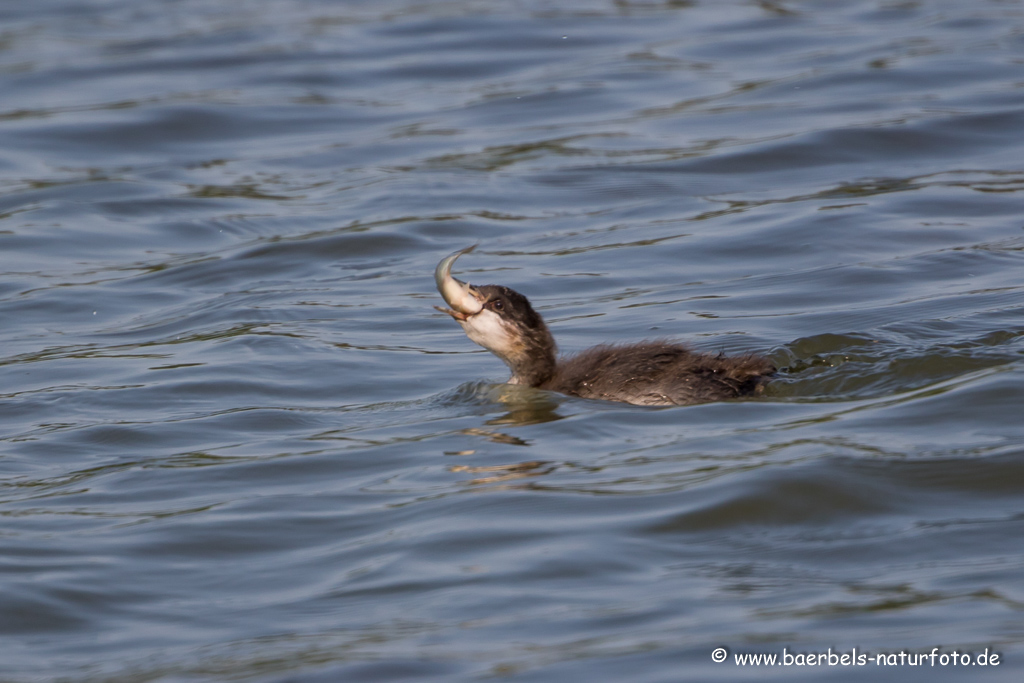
237 443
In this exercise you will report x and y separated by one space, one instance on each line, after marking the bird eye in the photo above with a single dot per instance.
497 304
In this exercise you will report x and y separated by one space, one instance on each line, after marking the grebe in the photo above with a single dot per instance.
653 373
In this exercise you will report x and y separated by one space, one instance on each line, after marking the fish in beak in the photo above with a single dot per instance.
462 297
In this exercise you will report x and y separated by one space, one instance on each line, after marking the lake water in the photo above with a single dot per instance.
237 443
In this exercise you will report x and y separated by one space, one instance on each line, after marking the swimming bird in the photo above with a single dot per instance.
648 373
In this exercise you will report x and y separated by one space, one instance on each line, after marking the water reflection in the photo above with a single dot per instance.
505 473
525 405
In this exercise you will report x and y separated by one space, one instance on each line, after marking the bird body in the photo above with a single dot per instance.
658 373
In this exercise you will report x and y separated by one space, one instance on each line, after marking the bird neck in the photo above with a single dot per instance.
533 363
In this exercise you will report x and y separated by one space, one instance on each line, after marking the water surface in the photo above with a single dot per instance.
238 443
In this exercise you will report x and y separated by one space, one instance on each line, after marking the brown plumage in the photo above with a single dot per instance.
658 373
649 373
